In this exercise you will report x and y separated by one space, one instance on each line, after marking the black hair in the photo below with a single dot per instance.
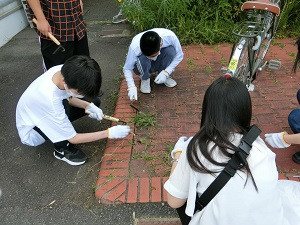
150 43
83 74
297 57
226 109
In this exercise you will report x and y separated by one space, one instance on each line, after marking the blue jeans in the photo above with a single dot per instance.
144 66
294 117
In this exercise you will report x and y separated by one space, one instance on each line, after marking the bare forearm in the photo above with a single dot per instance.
35 5
81 4
292 138
76 102
88 137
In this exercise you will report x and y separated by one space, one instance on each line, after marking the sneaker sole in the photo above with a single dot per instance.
170 86
145 92
68 161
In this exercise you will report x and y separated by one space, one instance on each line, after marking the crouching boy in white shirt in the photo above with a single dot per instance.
52 101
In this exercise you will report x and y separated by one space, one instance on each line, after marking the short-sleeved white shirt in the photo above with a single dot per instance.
168 39
238 203
41 106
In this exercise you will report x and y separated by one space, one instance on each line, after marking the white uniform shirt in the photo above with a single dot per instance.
236 203
41 106
168 39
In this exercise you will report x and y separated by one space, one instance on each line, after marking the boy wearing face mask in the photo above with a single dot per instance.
156 50
52 101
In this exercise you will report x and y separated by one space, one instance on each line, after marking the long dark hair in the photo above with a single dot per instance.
297 57
226 109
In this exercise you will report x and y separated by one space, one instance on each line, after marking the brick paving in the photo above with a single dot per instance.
134 169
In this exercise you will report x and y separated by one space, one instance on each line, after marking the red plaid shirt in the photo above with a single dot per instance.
65 18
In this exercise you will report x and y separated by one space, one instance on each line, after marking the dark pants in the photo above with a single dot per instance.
76 47
294 117
73 114
144 66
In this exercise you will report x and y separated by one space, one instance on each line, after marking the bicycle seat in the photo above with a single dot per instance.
265 5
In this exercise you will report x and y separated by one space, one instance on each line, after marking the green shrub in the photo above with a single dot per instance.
289 24
200 21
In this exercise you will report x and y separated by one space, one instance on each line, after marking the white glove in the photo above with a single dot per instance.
119 131
132 93
180 145
94 111
161 77
276 140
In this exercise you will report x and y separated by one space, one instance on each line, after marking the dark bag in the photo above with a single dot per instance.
237 161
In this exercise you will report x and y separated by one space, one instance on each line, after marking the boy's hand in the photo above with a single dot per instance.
119 131
132 93
161 77
44 27
94 111
276 140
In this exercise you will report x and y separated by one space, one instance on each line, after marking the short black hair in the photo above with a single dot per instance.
150 43
83 74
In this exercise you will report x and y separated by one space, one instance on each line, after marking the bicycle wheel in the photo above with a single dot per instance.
241 53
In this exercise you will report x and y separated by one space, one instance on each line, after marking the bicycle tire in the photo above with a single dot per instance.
242 71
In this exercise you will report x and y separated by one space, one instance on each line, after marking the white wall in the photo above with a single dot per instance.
12 19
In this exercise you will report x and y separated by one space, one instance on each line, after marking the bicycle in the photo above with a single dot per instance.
254 38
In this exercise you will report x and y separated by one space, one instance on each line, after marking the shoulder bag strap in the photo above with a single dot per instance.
237 161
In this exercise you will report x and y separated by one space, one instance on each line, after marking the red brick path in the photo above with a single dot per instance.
134 169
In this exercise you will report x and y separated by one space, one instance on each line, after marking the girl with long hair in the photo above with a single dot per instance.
253 196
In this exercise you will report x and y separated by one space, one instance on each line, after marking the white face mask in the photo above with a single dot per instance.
154 58
71 94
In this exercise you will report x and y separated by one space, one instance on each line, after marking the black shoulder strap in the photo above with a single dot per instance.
237 161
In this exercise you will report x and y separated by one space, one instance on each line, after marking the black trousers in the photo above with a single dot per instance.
73 114
76 47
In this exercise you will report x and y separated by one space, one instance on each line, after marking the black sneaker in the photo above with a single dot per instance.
71 155
296 157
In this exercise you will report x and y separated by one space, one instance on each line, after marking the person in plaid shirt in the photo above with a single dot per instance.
63 19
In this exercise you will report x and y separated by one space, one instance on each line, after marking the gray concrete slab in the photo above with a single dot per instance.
36 188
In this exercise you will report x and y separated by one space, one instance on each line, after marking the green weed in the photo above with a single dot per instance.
190 64
144 120
205 21
281 45
224 61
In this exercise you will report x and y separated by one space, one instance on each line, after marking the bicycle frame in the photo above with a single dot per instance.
251 35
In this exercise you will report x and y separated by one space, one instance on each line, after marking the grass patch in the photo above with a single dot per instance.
144 120
204 21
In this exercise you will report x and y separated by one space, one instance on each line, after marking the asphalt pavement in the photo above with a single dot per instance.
36 188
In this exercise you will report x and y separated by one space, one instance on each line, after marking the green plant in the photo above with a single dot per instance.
144 120
202 21
206 21
190 64
289 24
144 141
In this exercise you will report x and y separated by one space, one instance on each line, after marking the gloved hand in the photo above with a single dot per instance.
276 140
180 145
119 131
132 93
161 77
94 111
